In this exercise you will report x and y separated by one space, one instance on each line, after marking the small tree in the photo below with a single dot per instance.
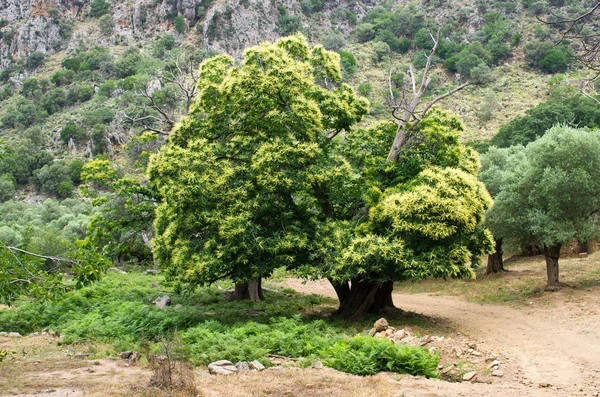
549 193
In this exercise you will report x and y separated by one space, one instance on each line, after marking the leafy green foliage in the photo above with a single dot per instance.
98 8
122 228
243 207
548 57
548 191
34 60
288 23
364 355
559 109
117 310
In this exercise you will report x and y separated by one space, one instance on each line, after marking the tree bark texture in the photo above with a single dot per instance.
249 291
495 263
359 297
552 254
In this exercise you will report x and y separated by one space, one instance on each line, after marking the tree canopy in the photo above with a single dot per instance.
547 193
266 172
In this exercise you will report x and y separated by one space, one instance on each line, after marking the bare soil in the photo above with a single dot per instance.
550 348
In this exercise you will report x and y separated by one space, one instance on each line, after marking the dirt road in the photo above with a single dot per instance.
554 343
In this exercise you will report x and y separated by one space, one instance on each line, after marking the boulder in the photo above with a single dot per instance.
242 366
222 367
380 326
14 335
256 365
162 301
469 376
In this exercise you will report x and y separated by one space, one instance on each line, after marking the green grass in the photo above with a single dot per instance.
118 312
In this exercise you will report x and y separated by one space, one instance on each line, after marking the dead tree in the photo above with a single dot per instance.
408 110
153 116
587 44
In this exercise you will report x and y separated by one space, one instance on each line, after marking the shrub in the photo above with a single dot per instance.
106 24
364 355
98 8
287 22
481 74
102 115
52 178
381 51
7 188
126 65
423 40
365 32
180 25
34 60
348 63
334 41
72 130
365 89
64 189
72 64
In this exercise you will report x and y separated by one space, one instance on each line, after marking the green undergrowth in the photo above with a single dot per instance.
118 311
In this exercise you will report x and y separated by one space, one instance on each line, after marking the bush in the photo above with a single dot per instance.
348 63
72 130
102 115
423 40
365 32
71 64
34 60
381 51
7 187
53 178
312 6
98 8
287 23
180 25
364 355
334 41
481 74
106 24
127 64
365 89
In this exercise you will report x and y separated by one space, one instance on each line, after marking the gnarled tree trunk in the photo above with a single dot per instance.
358 297
495 263
383 297
249 291
552 254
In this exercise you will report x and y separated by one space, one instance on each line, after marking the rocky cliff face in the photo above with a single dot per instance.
48 26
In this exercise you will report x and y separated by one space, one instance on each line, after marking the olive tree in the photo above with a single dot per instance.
549 193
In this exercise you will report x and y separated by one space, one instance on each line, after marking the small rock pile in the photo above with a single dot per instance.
459 358
226 367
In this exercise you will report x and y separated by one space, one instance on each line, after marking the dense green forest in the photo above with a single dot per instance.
366 143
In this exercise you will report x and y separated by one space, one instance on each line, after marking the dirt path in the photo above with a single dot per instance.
554 343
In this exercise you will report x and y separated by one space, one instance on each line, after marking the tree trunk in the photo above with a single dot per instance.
495 263
255 290
360 300
241 292
552 254
383 297
342 290
248 291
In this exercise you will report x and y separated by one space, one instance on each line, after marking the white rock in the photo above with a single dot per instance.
256 365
